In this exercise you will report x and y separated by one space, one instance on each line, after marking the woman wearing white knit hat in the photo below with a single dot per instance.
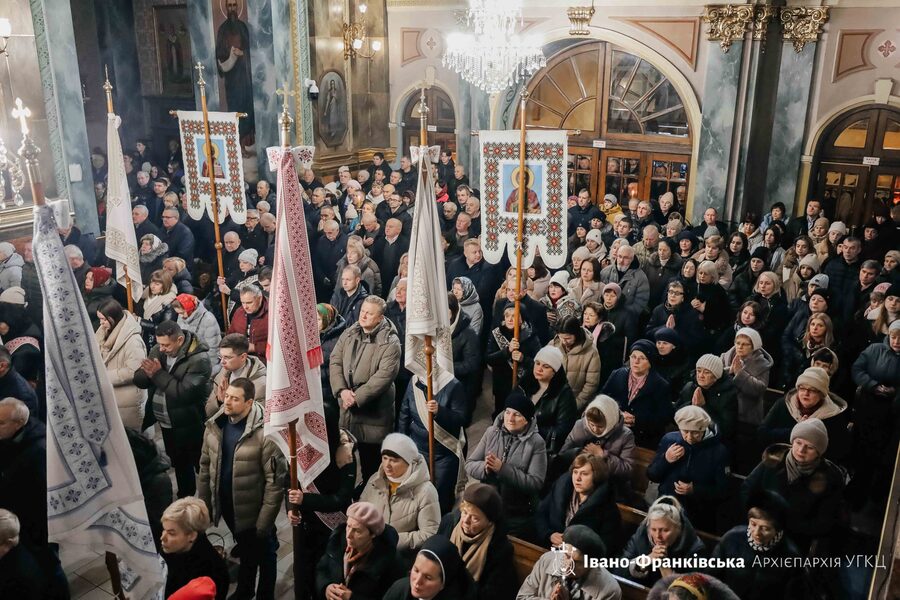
748 364
714 393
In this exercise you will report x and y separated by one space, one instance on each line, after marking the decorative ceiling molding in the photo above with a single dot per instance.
680 34
803 24
852 54
409 45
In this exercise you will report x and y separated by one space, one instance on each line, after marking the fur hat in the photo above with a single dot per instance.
692 418
711 363
250 256
486 499
816 378
550 356
752 334
813 431
520 403
402 446
367 514
772 504
823 221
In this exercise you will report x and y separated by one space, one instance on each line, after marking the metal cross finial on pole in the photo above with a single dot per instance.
29 152
108 88
286 121
200 81
21 113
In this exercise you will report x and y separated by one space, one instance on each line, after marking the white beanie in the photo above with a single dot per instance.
711 363
692 418
550 356
402 446
249 256
594 236
560 278
752 334
7 249
16 295
838 226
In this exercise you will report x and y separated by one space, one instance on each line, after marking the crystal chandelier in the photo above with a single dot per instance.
493 56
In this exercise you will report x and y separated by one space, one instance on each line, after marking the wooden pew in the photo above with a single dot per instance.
641 459
525 554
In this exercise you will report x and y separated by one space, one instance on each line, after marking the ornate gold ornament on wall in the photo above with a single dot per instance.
728 23
580 19
762 14
802 24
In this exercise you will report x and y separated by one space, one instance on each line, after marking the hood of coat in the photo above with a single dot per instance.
416 475
194 319
191 346
115 340
14 260
255 420
831 406
463 322
611 414
155 253
584 347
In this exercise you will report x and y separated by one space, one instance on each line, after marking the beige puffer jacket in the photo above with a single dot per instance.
582 365
253 369
123 350
258 476
413 510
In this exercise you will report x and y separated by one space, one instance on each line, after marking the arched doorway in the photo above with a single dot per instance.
441 121
857 164
633 123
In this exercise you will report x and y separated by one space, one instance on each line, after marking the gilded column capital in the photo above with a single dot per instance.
727 23
762 14
802 24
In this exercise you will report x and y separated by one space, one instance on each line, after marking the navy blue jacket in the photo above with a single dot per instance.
652 407
180 240
451 416
599 512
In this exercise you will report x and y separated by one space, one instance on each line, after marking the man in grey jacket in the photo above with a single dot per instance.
627 273
241 480
363 365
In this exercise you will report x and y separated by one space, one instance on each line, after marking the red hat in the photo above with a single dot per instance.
101 275
202 588
188 303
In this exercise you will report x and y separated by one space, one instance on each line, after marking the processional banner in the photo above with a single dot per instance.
226 168
545 196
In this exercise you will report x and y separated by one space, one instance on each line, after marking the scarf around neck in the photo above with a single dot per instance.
475 555
635 384
764 547
795 470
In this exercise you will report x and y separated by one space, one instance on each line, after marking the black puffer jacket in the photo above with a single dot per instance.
201 560
599 512
555 411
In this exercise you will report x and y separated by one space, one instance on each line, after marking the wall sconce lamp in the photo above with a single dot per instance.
580 19
355 38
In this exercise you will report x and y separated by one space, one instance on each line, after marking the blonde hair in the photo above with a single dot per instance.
9 528
189 513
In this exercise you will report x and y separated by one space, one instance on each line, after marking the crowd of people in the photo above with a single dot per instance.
760 362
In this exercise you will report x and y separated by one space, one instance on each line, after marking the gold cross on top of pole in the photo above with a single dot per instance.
285 94
21 112
199 66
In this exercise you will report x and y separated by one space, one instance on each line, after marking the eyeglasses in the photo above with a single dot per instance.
675 293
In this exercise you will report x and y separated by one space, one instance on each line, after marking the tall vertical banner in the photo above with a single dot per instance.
546 212
121 241
294 355
94 496
226 167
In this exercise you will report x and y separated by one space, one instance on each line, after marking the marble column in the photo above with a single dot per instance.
55 39
475 114
791 103
203 50
720 96
290 42
118 50
262 58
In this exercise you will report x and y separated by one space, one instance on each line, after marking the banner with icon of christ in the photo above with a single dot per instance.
221 163
545 199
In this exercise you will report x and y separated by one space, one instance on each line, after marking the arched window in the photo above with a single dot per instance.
441 121
624 102
857 164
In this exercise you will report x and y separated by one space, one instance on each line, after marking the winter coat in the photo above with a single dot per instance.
652 407
369 272
328 339
634 284
612 351
181 242
582 366
775 317
258 333
152 261
751 383
659 276
372 577
599 512
597 584
555 410
704 464
21 576
24 340
723 266
814 501
720 403
617 441
183 282
203 323
784 414
687 324
23 481
877 365
584 293
11 272
148 326
715 589
677 368
367 364
685 546
467 362
413 509
521 477
349 306
186 387
498 564
123 350
567 306
841 279
472 308
253 369
741 288
201 560
258 473
717 314
751 582
500 360
13 385
531 311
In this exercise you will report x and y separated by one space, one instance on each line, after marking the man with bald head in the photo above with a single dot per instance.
23 469
395 244
231 249
140 216
627 273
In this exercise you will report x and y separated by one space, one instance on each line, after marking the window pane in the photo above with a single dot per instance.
622 65
646 78
637 85
853 136
587 65
583 117
621 119
564 76
892 136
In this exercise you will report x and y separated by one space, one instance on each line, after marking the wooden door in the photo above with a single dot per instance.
618 168
582 165
843 187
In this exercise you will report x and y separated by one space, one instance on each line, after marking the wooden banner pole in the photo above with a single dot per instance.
520 232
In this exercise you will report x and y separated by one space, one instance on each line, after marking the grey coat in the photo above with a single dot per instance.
634 283
598 583
258 477
524 465
751 383
11 272
205 326
367 363
617 442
